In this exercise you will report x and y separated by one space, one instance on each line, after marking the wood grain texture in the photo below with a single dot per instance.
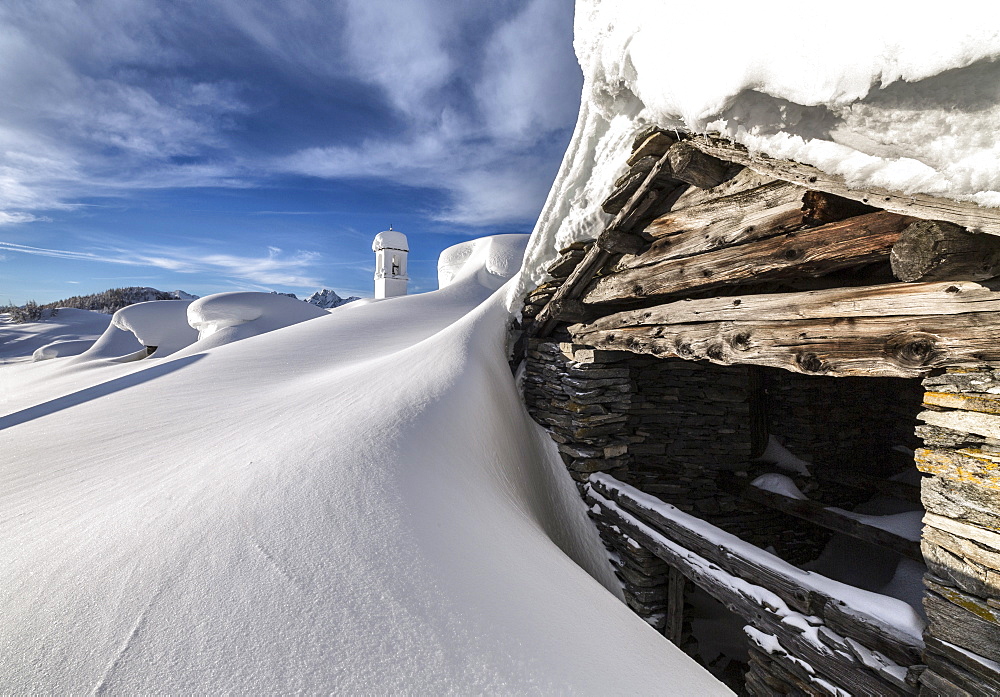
812 252
896 299
933 250
866 346
967 214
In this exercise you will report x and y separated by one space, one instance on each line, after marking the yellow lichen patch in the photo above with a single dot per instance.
967 466
983 403
977 607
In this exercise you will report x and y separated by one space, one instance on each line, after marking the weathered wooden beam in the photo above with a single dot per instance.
654 145
812 252
867 346
793 594
597 256
691 165
675 606
910 299
744 216
964 213
936 250
571 288
818 514
865 630
838 668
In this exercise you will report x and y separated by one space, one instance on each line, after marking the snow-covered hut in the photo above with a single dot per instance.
746 358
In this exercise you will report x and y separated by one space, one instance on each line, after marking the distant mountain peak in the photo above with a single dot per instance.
329 299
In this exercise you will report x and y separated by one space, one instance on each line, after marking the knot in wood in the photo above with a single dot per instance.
741 341
684 350
810 363
716 352
913 349
792 254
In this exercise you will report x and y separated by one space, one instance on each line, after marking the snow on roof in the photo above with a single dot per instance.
904 100
355 504
390 239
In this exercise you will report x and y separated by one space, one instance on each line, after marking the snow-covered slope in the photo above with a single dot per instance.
356 504
884 95
19 341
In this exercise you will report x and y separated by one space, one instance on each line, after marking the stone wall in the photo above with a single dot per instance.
961 539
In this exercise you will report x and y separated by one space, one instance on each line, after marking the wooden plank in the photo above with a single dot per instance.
743 180
818 514
812 252
866 346
675 606
964 213
655 144
571 288
837 668
865 630
596 256
741 217
787 589
936 250
872 635
907 299
691 165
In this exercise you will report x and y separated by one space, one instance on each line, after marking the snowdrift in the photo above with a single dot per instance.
909 101
19 342
357 503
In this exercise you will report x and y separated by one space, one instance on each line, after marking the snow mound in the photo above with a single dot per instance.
491 259
235 520
162 324
882 109
227 317
20 342
60 349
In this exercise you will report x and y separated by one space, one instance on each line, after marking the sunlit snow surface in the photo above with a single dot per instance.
355 503
883 94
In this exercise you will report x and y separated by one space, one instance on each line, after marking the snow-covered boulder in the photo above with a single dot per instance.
226 317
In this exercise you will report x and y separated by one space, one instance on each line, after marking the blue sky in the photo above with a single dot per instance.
261 145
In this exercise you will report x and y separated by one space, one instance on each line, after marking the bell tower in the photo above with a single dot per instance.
390 249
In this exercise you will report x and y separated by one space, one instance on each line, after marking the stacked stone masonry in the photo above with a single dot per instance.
674 428
961 539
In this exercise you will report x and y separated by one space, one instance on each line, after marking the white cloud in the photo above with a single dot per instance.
108 97
274 268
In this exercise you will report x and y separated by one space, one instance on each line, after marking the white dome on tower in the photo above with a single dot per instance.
390 239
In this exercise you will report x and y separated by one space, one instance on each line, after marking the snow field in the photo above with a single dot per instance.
356 503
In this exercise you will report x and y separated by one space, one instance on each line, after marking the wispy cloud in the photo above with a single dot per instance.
105 98
274 268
